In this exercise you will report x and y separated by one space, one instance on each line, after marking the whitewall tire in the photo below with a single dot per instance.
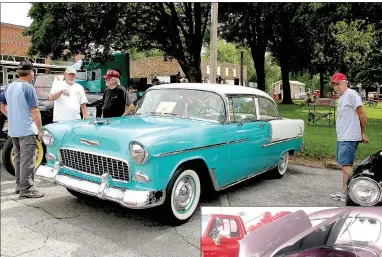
183 195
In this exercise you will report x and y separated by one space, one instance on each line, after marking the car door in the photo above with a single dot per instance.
246 135
230 234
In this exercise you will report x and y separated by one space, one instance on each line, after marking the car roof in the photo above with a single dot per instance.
223 89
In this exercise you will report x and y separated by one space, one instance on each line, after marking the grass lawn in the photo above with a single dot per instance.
320 140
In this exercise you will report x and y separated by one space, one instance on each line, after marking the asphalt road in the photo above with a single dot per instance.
59 224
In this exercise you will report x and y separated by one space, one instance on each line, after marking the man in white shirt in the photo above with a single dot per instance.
69 98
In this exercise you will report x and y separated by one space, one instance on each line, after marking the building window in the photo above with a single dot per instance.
208 69
218 71
234 72
226 72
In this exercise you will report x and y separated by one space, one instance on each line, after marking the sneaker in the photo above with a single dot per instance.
338 197
17 191
31 194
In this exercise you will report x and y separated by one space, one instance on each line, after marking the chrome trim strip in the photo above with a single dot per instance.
246 178
214 179
280 141
102 155
203 147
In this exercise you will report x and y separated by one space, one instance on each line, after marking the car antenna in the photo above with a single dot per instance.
347 229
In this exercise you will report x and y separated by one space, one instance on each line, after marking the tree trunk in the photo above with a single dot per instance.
259 60
287 98
322 84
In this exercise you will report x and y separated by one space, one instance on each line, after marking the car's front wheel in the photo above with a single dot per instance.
282 166
182 196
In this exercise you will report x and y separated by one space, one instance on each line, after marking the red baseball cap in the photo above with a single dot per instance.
338 77
111 74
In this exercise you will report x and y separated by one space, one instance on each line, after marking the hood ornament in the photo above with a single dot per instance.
88 142
99 121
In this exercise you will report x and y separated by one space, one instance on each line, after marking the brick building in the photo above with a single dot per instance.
14 48
166 69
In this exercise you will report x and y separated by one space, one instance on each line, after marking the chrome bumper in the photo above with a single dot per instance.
125 197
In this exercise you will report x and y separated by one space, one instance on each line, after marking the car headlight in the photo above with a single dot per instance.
364 191
138 153
47 138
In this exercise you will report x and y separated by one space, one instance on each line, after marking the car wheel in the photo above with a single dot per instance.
282 166
8 156
183 194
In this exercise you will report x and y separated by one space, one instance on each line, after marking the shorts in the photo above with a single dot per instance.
346 152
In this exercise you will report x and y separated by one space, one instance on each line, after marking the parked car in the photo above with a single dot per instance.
43 84
345 232
221 233
183 139
364 185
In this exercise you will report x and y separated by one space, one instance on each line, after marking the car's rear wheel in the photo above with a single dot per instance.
182 196
8 156
282 166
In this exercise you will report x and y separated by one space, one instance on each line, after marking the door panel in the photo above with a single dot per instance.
246 155
246 134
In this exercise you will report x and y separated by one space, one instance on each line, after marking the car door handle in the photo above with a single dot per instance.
262 125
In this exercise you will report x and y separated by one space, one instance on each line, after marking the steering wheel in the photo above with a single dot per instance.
210 108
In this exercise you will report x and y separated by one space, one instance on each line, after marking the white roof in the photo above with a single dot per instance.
222 89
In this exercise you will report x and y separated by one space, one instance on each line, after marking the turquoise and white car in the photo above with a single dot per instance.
183 140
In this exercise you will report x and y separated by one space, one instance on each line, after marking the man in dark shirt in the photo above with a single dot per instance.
116 101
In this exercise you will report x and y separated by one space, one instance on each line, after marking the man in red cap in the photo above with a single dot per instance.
350 127
116 101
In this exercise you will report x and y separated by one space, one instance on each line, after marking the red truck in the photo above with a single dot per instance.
221 233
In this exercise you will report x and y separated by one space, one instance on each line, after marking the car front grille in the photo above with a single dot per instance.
95 164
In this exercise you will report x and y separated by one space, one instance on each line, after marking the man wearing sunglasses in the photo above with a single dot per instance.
350 127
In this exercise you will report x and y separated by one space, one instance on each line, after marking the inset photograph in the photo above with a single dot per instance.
291 232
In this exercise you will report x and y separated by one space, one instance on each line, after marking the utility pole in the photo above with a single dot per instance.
213 42
241 68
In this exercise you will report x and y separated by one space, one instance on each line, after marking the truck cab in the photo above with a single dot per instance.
221 233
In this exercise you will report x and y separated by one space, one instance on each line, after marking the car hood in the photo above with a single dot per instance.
156 134
291 234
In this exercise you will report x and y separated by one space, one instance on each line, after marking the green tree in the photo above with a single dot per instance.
230 53
98 29
249 25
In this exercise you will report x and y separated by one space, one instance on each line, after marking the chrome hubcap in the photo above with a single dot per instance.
184 194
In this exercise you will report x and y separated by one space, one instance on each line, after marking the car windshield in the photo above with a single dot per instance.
43 84
184 103
205 221
359 229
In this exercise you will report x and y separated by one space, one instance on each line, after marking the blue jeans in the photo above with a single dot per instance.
346 152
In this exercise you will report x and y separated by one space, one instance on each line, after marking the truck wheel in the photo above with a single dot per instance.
182 196
282 166
8 156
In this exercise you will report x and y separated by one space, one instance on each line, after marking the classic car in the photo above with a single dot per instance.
182 140
43 84
342 232
365 183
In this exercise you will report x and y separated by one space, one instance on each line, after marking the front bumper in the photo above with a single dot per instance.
125 197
